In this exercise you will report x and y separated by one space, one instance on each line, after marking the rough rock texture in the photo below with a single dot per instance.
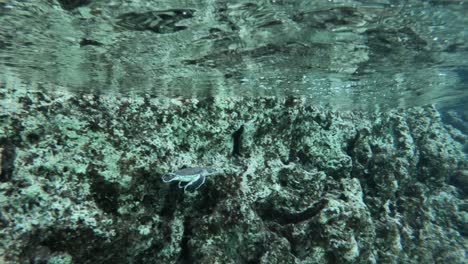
80 182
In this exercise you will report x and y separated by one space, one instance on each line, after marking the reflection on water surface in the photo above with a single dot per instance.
348 54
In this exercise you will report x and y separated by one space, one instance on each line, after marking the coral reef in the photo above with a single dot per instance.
81 181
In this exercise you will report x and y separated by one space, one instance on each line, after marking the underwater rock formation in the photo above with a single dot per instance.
81 182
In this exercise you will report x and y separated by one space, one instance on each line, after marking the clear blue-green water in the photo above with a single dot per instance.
347 54
214 131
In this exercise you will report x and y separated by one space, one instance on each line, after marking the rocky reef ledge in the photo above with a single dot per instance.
81 182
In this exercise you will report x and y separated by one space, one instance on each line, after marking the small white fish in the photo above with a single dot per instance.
189 178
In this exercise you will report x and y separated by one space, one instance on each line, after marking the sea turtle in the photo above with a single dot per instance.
189 178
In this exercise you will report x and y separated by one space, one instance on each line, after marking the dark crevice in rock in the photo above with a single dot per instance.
284 218
325 123
210 200
84 245
352 145
33 138
173 196
185 254
72 4
161 22
105 194
459 179
7 159
237 141
89 42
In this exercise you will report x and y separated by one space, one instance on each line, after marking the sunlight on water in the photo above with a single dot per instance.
348 54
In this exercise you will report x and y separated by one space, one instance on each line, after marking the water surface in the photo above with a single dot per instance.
347 54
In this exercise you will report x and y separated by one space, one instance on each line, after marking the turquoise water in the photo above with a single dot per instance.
213 131
348 54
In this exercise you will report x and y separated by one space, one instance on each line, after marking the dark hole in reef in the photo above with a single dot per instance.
185 254
33 138
237 141
269 213
82 244
283 178
459 179
209 201
72 4
105 194
7 159
173 196
87 42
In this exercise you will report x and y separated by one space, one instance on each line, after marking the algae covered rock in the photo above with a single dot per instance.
81 182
